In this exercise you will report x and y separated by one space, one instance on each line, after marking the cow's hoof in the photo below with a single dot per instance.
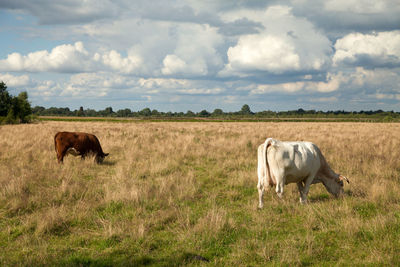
303 201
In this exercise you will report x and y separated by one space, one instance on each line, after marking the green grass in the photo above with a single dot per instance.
185 195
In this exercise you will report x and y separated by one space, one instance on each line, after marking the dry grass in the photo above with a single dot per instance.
178 193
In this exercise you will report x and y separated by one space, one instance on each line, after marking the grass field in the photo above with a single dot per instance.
184 193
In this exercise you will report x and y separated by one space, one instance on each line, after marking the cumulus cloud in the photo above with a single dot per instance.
113 59
15 81
265 53
332 83
173 64
202 91
372 50
287 44
63 58
195 51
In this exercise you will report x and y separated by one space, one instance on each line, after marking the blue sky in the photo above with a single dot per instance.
194 55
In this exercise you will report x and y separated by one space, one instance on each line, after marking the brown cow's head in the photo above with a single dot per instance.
100 157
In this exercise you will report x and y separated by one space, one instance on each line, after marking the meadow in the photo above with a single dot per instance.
184 193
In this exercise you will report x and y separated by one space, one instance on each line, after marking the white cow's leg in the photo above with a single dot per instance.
260 188
280 182
300 186
279 189
306 188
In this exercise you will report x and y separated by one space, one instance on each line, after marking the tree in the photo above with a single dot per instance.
124 112
155 112
24 107
245 110
5 100
190 113
145 112
218 112
204 113
16 108
38 110
109 111
80 112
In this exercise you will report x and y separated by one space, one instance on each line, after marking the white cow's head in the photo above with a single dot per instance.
335 186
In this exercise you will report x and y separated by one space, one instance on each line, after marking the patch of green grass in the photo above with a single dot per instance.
366 210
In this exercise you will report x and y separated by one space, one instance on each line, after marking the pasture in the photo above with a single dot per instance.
184 193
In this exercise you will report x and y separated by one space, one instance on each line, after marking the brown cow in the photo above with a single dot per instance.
78 144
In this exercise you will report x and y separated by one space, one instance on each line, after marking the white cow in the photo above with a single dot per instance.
281 163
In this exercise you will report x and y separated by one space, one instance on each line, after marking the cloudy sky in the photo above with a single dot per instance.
192 55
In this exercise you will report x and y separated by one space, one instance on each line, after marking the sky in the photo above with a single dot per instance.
192 55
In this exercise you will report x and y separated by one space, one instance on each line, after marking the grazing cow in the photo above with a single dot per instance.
78 144
281 163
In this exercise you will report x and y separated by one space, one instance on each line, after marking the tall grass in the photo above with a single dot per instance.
184 193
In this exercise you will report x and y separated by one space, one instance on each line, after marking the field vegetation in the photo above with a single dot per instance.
184 193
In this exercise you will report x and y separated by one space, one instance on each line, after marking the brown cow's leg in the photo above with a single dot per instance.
60 156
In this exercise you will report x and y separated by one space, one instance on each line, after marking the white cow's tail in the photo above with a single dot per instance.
270 179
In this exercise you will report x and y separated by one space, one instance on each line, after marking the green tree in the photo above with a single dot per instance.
145 112
155 112
245 110
19 109
80 112
204 113
5 100
24 107
124 112
218 112
190 113
38 110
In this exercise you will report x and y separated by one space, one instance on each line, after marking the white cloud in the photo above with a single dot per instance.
263 52
113 59
388 96
15 81
324 99
378 49
202 91
63 58
332 83
358 6
160 83
173 64
195 51
287 44
91 85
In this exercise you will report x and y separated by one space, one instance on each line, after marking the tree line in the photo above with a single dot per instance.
17 109
244 112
